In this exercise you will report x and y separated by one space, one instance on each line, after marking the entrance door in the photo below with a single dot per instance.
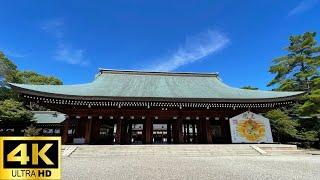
106 133
160 134
220 131
190 132
135 133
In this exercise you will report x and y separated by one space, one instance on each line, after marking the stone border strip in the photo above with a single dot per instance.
259 150
69 150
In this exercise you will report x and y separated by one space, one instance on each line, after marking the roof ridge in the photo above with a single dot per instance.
163 73
46 112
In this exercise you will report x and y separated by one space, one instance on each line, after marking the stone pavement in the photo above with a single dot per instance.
232 161
127 167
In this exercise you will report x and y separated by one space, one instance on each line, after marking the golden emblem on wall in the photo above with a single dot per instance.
251 130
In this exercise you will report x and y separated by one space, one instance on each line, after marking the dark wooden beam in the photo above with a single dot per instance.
149 130
88 128
118 138
65 131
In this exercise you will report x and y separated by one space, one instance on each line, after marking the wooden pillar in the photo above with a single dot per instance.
180 131
194 133
87 134
188 132
149 130
79 128
208 131
95 130
65 131
169 133
119 131
129 133
199 131
177 131
225 130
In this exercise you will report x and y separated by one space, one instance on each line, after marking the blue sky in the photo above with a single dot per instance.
72 39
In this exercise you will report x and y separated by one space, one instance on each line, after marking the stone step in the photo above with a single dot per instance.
274 152
280 149
271 147
167 150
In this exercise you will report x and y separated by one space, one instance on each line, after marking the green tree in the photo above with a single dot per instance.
250 87
30 77
295 70
13 111
283 124
13 114
10 73
299 71
32 131
311 106
6 66
308 138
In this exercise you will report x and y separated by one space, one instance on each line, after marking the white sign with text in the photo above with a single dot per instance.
249 127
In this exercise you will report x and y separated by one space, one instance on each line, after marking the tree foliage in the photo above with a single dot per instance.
10 107
250 87
299 71
30 77
311 105
32 131
6 68
13 111
282 123
5 65
10 73
295 70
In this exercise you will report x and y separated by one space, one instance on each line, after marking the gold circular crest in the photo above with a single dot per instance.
251 130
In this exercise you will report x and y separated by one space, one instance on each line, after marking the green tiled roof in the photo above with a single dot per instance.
112 84
48 117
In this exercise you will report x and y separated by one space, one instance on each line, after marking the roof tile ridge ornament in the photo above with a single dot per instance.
161 73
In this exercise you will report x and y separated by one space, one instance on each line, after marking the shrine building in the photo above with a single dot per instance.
138 107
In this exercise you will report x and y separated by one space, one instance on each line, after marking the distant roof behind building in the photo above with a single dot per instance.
48 117
133 85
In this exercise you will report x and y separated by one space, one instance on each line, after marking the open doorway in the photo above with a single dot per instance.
190 131
160 134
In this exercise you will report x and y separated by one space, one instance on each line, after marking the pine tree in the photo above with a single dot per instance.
299 71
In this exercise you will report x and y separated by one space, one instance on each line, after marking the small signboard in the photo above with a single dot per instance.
249 127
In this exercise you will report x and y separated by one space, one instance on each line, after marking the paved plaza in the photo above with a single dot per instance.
185 162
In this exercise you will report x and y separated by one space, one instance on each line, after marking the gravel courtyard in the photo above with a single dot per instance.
201 167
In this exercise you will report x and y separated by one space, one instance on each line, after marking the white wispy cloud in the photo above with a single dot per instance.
65 51
303 6
194 49
54 27
70 55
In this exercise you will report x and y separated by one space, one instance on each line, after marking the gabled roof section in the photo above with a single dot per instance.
163 86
